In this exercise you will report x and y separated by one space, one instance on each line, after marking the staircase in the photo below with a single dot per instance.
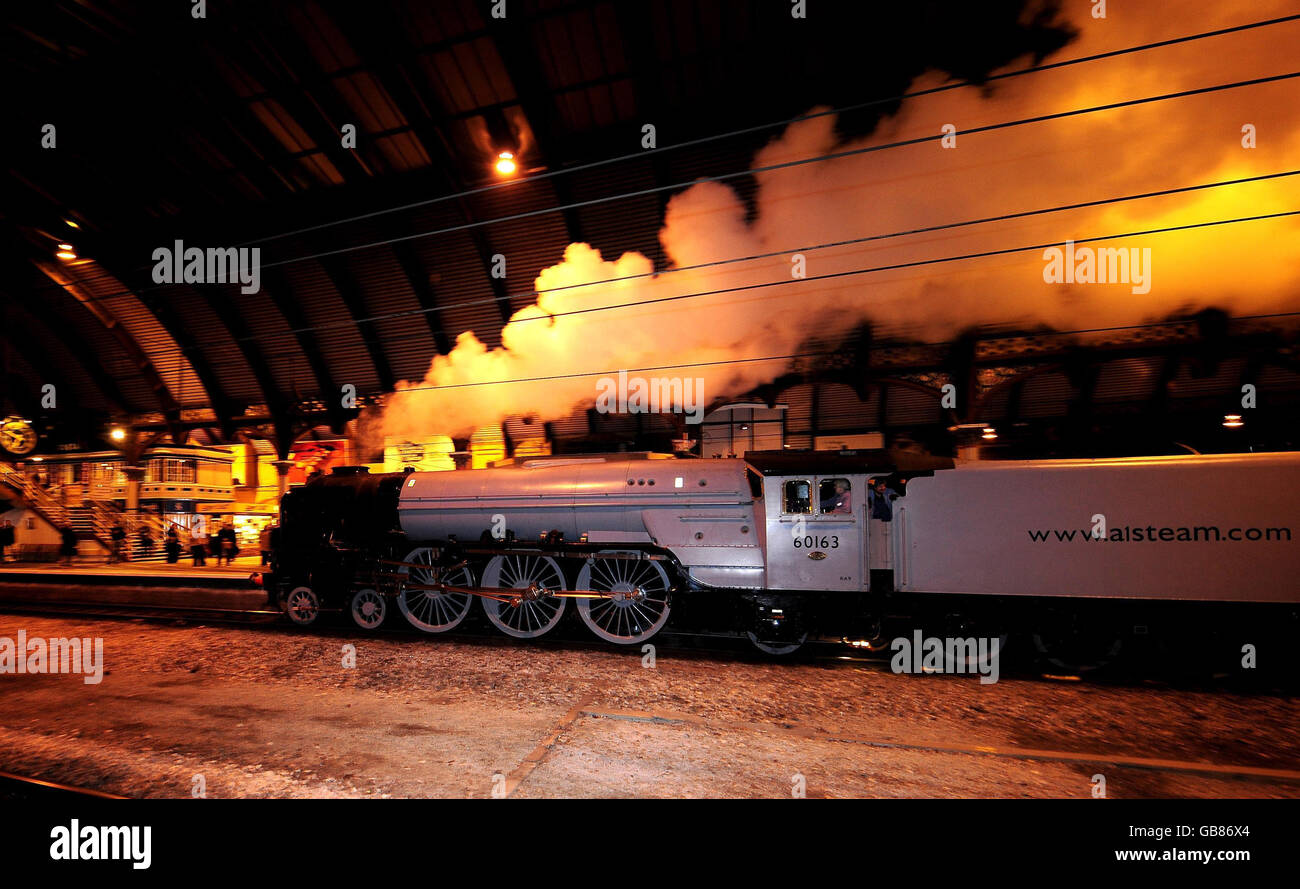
93 520
35 496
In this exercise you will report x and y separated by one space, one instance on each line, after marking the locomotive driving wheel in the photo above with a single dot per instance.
637 606
433 611
535 613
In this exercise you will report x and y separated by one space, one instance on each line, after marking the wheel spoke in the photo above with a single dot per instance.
525 619
433 611
638 607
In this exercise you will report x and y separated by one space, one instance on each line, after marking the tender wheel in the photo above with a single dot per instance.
955 626
302 605
528 619
369 609
638 605
431 610
1071 642
777 648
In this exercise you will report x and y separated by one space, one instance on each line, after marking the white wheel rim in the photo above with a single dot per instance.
1054 655
433 611
776 648
368 609
639 606
527 620
302 606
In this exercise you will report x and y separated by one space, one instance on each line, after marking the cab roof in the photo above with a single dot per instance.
860 461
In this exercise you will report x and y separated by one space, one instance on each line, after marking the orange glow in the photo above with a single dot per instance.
66 255
506 163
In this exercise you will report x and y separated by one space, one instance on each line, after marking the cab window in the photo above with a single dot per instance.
797 497
835 496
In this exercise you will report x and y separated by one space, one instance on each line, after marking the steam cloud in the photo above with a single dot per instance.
1245 268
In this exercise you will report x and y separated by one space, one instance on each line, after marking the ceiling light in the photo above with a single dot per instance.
1232 421
66 255
117 433
506 163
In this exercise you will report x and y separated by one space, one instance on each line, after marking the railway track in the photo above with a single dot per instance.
681 644
21 787
17 787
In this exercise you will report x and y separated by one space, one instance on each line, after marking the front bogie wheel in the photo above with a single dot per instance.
369 608
302 606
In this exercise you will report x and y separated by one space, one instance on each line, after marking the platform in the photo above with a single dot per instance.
146 573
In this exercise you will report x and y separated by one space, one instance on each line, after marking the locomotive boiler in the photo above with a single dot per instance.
784 546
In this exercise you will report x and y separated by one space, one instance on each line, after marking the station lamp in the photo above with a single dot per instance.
1233 421
117 433
989 433
505 164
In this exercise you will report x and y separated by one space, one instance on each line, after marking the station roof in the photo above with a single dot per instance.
225 131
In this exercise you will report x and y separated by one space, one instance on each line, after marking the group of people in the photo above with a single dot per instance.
222 544
144 543
837 498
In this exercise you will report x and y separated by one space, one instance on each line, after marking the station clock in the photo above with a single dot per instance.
17 436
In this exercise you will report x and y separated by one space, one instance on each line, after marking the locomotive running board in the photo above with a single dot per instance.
623 556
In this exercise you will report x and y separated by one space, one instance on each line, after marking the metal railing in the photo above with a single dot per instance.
40 499
94 518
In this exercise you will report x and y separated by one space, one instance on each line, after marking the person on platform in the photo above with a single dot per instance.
228 543
264 544
145 541
6 538
172 546
198 548
67 544
118 537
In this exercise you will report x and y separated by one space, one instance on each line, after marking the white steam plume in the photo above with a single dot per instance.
1244 268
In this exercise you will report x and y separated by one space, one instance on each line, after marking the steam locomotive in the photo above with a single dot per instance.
785 546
